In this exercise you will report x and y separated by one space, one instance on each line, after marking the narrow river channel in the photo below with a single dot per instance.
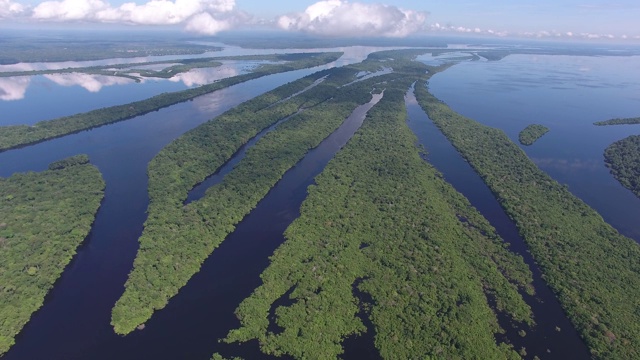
553 336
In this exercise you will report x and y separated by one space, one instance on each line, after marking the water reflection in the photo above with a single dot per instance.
92 83
14 88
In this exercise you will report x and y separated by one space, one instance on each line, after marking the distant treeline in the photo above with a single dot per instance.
16 50
43 218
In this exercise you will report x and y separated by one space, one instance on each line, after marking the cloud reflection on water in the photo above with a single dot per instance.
14 88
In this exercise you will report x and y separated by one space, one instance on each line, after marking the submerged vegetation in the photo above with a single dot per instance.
618 121
43 218
383 223
623 158
532 133
177 238
19 135
593 270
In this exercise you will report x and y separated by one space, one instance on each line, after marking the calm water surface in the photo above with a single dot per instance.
566 94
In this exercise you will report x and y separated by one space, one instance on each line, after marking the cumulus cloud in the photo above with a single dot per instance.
203 16
337 17
10 9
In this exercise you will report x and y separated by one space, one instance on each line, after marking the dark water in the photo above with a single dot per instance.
543 340
76 314
74 322
566 94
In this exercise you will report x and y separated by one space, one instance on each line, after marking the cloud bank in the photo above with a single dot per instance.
203 16
343 18
10 9
347 18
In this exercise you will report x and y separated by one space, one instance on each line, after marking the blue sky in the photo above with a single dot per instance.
594 19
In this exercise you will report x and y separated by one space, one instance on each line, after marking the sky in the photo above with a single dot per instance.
564 19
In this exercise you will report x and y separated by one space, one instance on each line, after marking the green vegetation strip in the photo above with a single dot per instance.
177 238
383 220
17 49
623 158
43 218
594 271
617 121
132 70
20 135
532 133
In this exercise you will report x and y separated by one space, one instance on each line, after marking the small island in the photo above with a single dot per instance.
618 121
623 159
532 133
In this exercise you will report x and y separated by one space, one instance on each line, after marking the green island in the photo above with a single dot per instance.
532 133
131 70
135 71
43 219
593 270
20 135
177 238
382 233
618 121
46 49
623 159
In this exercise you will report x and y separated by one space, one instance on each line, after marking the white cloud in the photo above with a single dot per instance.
337 17
10 9
203 16
68 9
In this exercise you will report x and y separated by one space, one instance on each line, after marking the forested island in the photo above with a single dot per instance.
186 235
20 135
66 48
623 158
383 236
43 219
618 121
593 270
532 133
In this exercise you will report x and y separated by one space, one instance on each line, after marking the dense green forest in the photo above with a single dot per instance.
47 49
618 121
532 133
593 270
623 158
177 238
43 218
19 135
382 222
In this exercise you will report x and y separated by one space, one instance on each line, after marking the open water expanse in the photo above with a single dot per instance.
567 94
